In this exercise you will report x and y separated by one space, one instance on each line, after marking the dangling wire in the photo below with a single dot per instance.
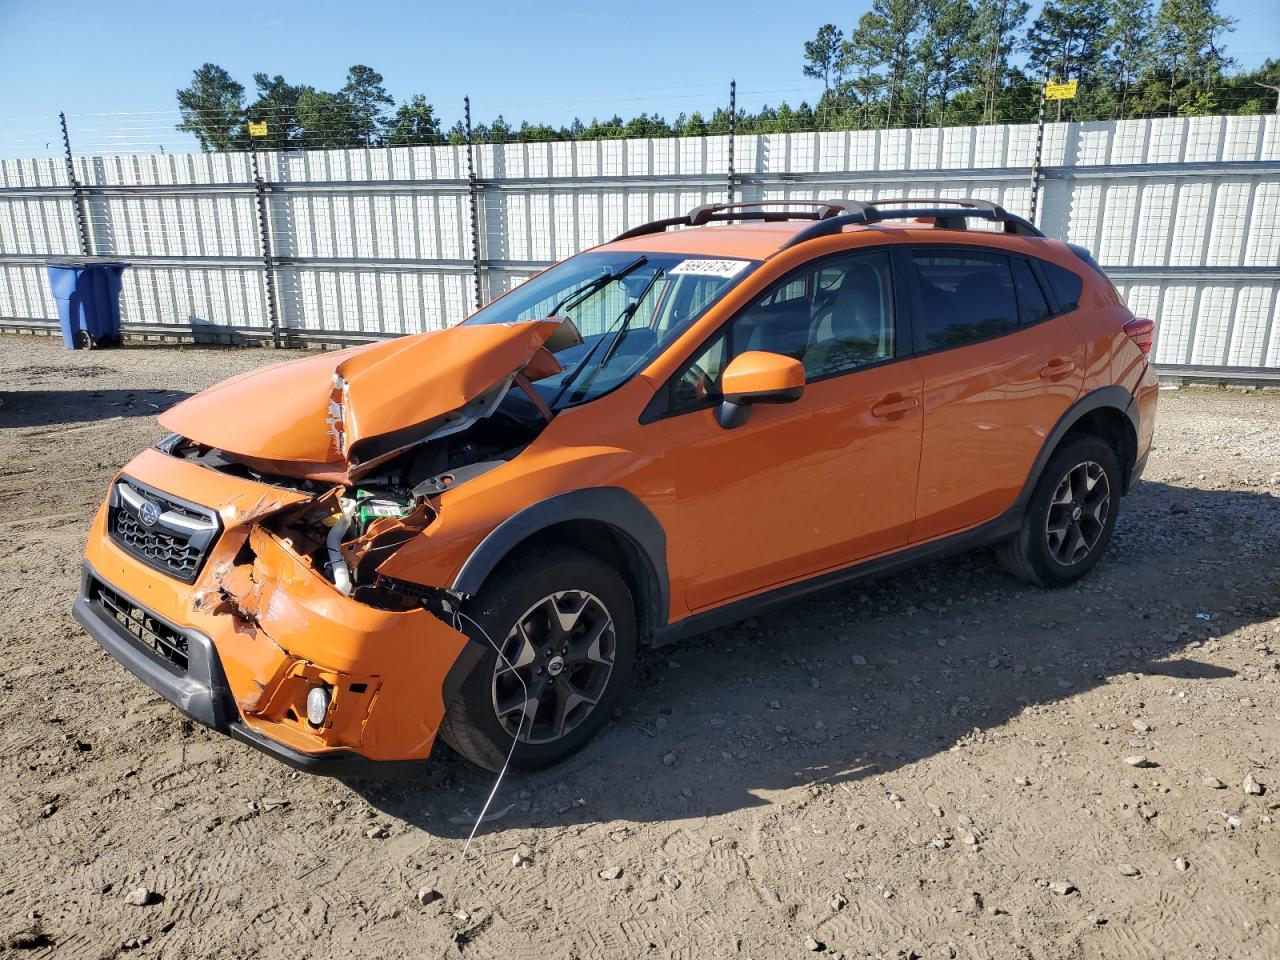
459 616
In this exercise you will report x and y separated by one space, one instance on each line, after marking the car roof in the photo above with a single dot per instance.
759 241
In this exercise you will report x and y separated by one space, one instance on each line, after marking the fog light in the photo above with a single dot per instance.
317 705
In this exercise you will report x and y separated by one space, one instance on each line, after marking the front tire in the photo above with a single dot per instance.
565 623
1070 517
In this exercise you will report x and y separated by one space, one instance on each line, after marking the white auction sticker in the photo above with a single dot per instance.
710 268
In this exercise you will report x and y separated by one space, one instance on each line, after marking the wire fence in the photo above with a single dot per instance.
762 107
344 244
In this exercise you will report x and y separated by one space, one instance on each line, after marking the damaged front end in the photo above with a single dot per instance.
317 473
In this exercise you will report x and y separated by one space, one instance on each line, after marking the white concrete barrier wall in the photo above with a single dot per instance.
1183 212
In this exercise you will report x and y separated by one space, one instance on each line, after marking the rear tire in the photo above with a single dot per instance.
1070 516
566 624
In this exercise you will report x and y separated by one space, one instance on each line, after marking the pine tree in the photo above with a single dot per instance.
212 108
946 51
996 23
415 122
277 106
1069 39
822 55
885 40
1189 47
1128 46
369 101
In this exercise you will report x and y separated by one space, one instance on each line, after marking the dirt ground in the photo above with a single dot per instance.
933 765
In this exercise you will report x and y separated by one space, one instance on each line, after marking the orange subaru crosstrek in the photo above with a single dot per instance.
470 532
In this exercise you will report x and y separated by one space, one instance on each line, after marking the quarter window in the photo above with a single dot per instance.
964 298
1032 306
1066 285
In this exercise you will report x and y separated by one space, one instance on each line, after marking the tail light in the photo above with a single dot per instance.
1142 332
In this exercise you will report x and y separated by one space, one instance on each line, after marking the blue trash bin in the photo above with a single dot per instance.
87 291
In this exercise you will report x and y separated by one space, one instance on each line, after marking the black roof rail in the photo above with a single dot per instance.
946 214
745 210
832 216
826 209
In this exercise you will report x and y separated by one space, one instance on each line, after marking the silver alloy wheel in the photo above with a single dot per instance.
555 666
1078 513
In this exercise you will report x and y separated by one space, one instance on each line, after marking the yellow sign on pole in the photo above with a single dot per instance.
1060 91
258 128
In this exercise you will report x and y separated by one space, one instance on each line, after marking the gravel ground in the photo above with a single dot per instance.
934 765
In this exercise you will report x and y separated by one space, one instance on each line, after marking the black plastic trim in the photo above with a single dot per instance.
1114 396
1001 528
203 695
612 506
204 542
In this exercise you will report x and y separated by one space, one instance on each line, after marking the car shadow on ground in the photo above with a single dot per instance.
44 408
862 680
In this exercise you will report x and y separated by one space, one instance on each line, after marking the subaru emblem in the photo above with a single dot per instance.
148 513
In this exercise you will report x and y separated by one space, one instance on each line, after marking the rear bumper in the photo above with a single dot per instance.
203 694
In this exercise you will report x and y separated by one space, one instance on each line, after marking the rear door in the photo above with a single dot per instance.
999 370
807 486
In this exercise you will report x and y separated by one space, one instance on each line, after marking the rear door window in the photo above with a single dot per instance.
964 297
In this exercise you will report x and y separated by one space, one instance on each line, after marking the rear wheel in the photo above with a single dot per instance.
565 625
1070 517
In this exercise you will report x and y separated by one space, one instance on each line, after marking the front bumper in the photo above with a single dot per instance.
202 693
260 627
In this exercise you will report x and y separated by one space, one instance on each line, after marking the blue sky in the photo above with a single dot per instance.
550 60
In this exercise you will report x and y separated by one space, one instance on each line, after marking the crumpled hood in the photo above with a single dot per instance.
336 415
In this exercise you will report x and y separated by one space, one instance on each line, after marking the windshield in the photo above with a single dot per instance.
627 305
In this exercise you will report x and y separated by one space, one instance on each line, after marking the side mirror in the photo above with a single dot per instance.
757 377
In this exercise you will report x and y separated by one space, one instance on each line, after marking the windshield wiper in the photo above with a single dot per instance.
575 297
629 313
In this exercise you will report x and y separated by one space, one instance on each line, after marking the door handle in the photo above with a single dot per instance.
893 405
1056 369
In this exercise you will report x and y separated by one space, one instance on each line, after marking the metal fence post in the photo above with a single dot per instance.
264 234
733 132
77 193
1035 164
473 192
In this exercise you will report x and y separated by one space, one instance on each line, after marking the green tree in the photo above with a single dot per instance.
212 109
695 126
325 120
946 51
996 25
1128 46
884 43
822 55
414 122
369 102
277 105
1069 38
1189 45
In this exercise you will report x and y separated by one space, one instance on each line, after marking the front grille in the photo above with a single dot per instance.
175 540
141 625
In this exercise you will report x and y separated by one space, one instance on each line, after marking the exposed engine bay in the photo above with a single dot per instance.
345 531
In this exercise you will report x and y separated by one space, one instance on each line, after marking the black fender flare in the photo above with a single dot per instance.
618 509
1113 396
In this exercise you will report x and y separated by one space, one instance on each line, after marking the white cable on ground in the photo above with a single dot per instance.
514 740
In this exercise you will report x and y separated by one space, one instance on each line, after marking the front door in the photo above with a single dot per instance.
808 486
